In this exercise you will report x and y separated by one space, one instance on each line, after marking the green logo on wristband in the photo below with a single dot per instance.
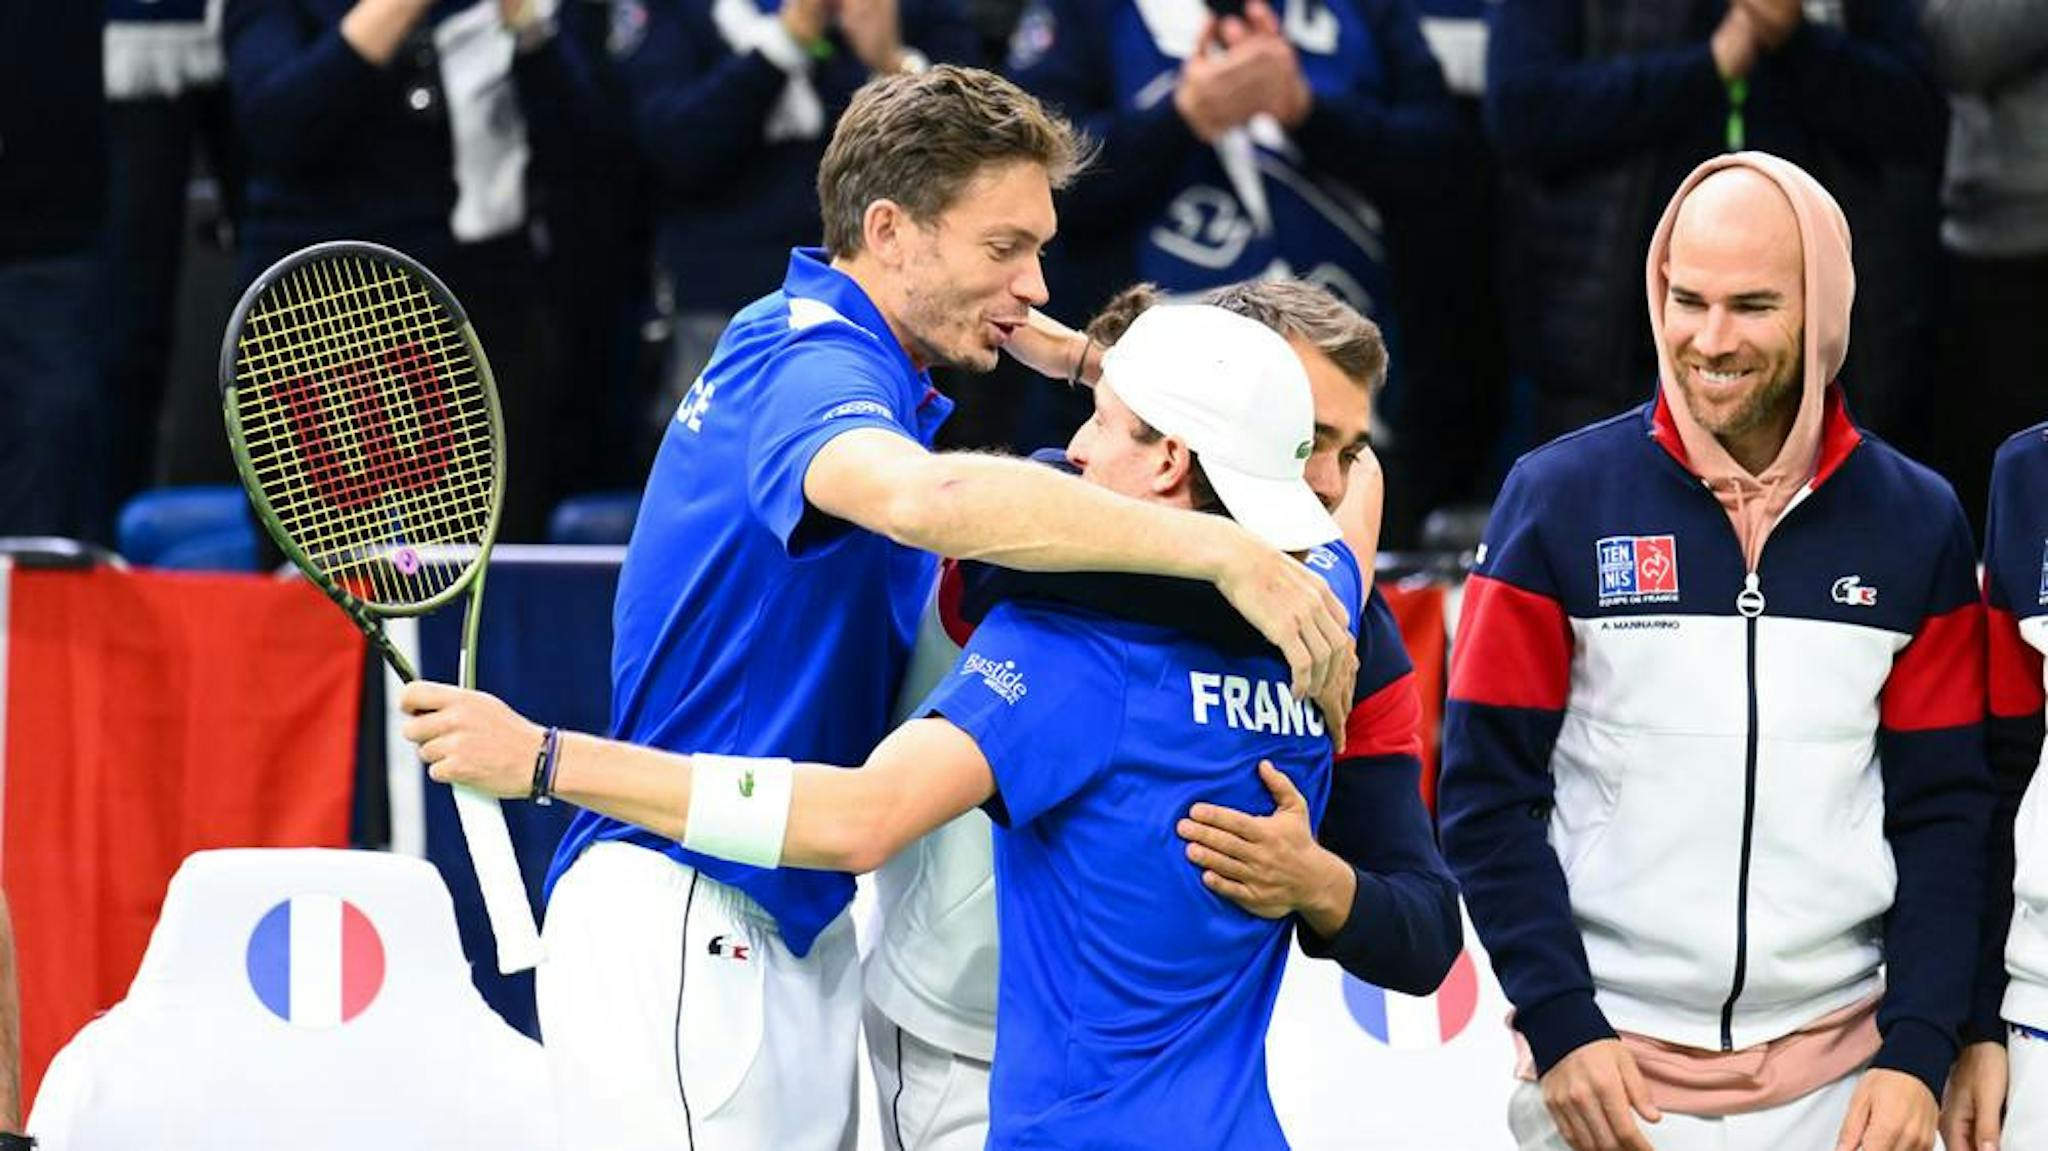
747 784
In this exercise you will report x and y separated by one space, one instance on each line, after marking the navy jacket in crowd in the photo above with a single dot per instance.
336 147
53 132
1599 107
731 200
1382 127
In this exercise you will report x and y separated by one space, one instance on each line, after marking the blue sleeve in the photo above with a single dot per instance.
1403 932
1872 82
820 386
296 90
1061 54
1510 682
1550 109
2015 584
1937 808
698 108
1041 692
1409 141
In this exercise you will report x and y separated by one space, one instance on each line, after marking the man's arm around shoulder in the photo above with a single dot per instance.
1018 514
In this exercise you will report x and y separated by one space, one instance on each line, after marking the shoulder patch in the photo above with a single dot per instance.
858 408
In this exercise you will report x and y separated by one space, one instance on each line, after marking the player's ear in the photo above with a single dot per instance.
1173 467
884 227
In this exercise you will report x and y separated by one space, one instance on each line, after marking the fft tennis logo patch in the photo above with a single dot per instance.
1638 569
1410 1022
316 961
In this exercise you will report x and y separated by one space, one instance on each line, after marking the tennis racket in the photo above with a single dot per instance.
365 426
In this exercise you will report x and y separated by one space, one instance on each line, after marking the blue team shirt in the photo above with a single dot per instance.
748 622
1133 1002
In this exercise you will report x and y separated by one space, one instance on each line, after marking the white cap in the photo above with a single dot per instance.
1234 391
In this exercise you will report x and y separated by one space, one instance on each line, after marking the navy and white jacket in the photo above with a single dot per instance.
2016 883
1706 804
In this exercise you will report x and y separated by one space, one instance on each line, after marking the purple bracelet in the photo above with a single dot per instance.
543 792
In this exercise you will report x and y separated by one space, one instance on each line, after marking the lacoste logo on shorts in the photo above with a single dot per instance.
747 784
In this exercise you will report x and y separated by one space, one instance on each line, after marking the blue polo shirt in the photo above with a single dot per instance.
748 622
1133 1001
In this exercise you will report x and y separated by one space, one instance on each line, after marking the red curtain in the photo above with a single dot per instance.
150 715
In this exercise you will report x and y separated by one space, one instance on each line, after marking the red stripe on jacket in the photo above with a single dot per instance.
2015 669
1938 681
1387 722
1514 648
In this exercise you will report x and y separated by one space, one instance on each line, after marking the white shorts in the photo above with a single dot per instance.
1813 1120
675 1019
2026 1106
930 1099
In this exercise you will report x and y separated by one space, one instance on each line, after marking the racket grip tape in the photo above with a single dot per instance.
497 877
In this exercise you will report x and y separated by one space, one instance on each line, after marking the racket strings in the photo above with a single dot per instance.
413 358
368 428
376 468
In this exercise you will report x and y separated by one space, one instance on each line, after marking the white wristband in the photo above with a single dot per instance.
739 808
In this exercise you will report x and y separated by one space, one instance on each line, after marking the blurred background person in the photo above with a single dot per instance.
1282 140
1598 110
731 102
1443 434
1992 56
595 239
53 196
167 120
411 123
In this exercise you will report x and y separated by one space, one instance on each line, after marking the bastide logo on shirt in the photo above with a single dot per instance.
1002 678
1637 569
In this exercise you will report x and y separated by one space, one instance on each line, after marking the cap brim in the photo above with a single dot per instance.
1284 513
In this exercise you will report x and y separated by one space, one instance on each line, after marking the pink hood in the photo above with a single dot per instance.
1755 502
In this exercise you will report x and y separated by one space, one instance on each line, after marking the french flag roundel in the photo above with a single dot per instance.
1408 1022
316 961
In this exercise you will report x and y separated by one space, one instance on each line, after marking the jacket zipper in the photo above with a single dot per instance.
1750 603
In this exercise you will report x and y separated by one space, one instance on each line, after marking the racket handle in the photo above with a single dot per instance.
497 876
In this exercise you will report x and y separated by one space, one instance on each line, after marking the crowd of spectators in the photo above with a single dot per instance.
603 182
